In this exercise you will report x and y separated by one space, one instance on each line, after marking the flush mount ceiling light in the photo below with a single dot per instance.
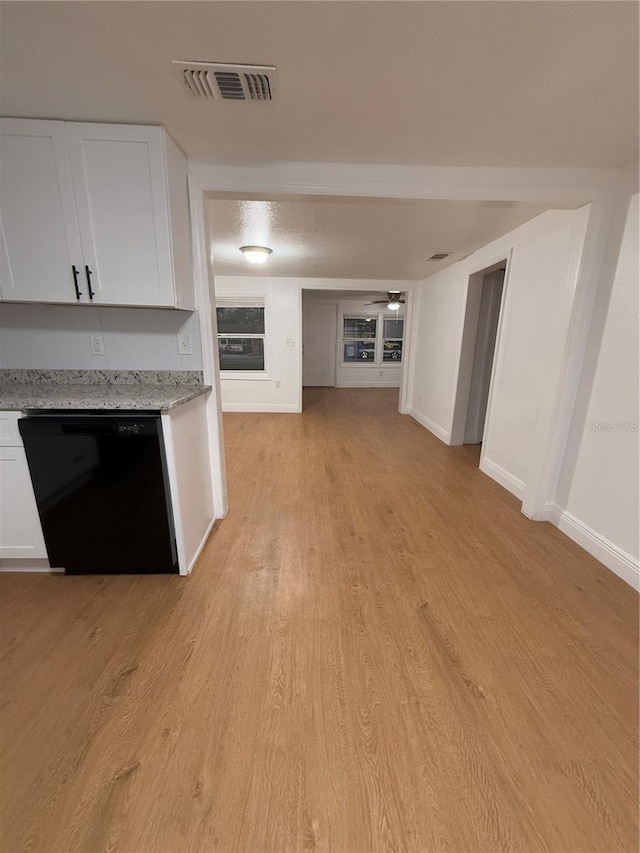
256 254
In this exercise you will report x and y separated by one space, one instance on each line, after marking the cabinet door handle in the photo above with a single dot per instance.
88 272
75 281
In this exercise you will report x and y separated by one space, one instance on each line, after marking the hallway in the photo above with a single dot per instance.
376 651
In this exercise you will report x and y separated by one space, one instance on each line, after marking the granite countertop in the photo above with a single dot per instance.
102 390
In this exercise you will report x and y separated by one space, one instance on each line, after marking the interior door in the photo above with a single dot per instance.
39 240
319 326
120 188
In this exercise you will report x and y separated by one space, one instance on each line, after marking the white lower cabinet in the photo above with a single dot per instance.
20 530
186 445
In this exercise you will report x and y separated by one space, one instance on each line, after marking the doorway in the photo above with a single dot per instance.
483 357
477 357
354 339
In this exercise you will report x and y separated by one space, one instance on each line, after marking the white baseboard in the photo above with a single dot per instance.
28 565
507 481
261 407
367 385
614 558
427 423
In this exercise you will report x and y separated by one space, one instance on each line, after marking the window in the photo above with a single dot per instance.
392 339
359 339
241 337
372 340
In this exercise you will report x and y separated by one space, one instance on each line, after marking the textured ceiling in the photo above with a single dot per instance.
438 83
325 237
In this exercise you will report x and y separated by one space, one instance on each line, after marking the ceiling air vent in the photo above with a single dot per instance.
439 256
215 81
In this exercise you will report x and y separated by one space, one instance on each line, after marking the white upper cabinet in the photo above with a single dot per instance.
122 197
40 238
127 233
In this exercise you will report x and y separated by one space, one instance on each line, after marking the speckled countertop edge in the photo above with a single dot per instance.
99 397
101 377
98 390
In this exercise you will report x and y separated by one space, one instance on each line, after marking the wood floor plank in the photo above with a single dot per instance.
375 652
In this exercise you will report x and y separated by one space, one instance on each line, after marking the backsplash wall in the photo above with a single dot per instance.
59 337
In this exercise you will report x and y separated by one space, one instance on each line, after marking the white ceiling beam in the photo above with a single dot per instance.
555 187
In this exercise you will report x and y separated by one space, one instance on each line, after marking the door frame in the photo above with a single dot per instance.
490 304
407 287
473 299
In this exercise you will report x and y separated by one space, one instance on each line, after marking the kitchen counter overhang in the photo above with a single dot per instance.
162 391
161 398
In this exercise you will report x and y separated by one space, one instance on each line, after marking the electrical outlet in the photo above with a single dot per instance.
97 345
184 345
381 372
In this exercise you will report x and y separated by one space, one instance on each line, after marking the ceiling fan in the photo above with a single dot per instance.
393 300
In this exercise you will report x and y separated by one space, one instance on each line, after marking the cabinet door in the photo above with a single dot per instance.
20 529
39 238
120 185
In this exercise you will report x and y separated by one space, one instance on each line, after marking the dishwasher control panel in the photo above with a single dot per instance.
130 429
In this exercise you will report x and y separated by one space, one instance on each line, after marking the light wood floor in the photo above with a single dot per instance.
377 651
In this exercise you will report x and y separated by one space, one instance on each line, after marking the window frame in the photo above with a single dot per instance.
243 302
392 362
343 340
379 339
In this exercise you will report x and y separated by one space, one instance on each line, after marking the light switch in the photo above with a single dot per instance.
291 342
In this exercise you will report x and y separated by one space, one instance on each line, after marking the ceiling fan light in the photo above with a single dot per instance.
256 254
393 306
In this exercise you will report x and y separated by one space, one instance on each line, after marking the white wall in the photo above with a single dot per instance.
600 493
439 315
59 337
538 293
542 279
282 346
364 375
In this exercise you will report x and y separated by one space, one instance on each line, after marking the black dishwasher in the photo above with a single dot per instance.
102 491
